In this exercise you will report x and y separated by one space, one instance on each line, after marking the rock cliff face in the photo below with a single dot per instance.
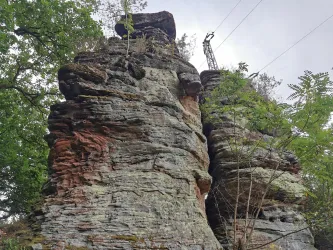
128 161
280 213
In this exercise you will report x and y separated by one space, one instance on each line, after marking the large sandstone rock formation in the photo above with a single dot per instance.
281 210
128 161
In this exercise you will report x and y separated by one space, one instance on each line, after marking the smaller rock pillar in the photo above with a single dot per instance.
280 213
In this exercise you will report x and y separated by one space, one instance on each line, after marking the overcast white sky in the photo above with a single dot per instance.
268 31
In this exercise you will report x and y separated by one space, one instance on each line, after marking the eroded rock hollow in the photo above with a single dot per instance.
280 213
128 161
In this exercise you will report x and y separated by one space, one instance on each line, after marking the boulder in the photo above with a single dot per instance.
191 83
149 21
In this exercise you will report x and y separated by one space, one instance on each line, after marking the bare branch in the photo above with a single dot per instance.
24 31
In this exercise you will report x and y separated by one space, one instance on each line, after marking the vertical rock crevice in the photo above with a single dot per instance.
128 161
282 206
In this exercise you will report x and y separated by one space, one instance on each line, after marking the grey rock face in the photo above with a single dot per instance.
128 160
38 246
280 213
191 83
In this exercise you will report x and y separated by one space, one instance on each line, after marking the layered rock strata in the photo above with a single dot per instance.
128 161
280 213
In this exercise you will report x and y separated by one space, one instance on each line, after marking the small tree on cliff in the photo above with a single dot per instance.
186 46
265 85
110 11
128 22
299 127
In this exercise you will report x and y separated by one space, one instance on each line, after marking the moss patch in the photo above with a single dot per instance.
132 238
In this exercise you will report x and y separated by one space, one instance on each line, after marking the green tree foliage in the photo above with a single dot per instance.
36 37
303 127
314 146
245 101
319 207
23 154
